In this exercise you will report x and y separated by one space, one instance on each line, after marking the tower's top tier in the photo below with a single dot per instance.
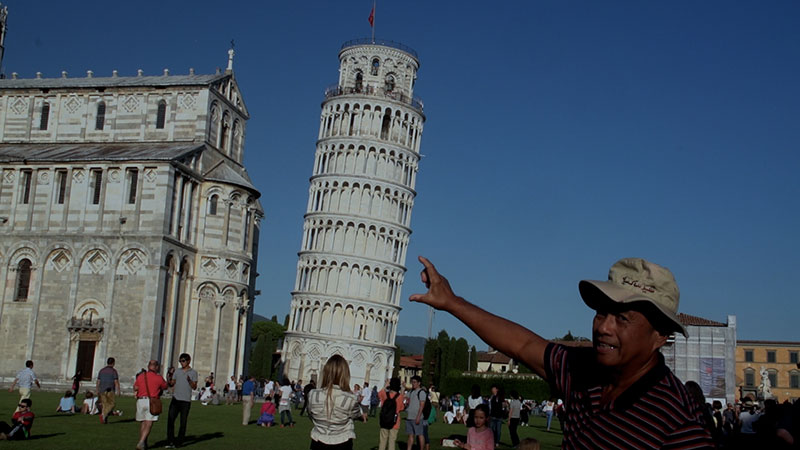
378 67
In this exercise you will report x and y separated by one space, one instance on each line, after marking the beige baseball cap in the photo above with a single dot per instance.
636 280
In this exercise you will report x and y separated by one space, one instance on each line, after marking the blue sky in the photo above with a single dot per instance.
561 136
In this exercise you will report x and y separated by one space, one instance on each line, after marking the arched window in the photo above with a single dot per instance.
389 83
376 64
387 120
45 116
212 205
100 120
224 135
794 379
161 115
23 280
359 81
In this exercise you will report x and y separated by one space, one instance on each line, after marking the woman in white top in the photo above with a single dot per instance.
333 407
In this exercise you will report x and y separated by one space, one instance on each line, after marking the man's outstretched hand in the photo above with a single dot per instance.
439 294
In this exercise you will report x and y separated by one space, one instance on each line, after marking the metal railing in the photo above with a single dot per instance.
383 42
335 90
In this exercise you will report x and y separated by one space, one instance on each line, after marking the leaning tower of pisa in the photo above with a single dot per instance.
351 264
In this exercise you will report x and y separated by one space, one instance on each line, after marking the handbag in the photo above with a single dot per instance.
155 403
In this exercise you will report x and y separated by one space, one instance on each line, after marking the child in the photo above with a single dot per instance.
528 444
89 404
479 437
67 403
267 418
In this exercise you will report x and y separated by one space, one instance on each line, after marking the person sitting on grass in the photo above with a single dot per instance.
479 437
267 417
21 422
67 403
89 404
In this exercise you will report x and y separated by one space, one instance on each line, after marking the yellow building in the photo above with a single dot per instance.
779 358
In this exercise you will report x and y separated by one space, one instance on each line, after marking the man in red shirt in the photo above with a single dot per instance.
21 422
148 384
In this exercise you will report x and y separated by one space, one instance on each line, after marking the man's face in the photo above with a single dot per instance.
415 384
624 340
184 362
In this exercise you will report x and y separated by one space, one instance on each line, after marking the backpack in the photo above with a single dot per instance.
426 409
388 415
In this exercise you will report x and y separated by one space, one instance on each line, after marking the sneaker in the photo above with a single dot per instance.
119 413
170 446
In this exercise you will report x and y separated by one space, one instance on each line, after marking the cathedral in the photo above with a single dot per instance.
129 226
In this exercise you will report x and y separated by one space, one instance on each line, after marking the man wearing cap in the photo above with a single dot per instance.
619 393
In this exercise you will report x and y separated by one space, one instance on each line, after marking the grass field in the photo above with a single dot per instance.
210 427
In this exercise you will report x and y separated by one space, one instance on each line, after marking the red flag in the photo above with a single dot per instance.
372 17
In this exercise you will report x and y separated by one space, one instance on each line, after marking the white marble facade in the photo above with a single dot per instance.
357 225
128 224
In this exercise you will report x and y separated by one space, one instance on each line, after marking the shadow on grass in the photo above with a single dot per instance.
43 436
192 439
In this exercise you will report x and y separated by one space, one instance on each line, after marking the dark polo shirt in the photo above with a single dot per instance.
656 412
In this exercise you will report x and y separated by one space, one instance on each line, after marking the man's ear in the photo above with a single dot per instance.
660 340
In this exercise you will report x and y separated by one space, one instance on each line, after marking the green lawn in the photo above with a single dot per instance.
209 427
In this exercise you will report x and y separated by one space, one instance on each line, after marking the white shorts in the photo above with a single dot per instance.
143 410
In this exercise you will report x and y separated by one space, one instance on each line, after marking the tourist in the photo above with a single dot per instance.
415 423
25 379
76 383
89 404
21 422
479 437
231 397
497 411
248 392
67 403
239 386
392 402
374 401
306 390
473 401
183 381
284 405
366 396
548 411
267 417
148 385
635 313
107 385
514 413
332 408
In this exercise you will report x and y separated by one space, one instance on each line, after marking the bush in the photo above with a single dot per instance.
528 386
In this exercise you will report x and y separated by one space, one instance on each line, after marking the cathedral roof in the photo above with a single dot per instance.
104 82
98 151
226 174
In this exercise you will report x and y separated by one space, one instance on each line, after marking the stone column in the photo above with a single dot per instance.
218 304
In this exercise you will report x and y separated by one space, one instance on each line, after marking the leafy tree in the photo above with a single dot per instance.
266 335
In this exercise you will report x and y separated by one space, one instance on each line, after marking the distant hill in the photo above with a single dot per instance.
411 345
259 318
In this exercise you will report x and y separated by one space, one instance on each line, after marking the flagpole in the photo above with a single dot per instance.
374 2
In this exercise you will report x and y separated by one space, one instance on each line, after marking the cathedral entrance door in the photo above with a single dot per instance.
86 359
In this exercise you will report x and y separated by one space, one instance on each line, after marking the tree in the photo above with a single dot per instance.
266 335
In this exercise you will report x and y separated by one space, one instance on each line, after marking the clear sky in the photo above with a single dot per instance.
561 136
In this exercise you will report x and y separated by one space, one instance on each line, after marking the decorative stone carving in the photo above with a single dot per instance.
187 102
207 294
113 175
231 267
8 176
150 175
133 260
131 104
209 265
72 104
44 177
19 106
60 261
78 175
95 262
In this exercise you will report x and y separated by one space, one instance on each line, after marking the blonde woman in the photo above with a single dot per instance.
333 407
